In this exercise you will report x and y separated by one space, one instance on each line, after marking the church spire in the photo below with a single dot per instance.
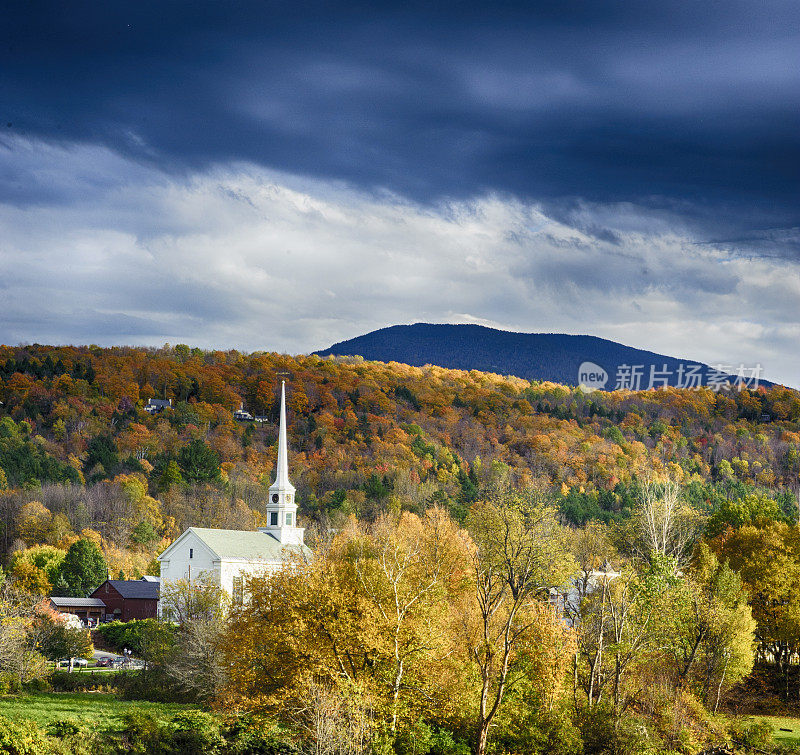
282 472
281 507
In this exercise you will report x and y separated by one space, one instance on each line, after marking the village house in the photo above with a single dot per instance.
157 405
127 599
568 598
227 558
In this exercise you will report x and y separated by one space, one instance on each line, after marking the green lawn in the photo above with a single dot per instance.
103 711
781 722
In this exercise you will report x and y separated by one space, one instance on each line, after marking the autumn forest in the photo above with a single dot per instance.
688 498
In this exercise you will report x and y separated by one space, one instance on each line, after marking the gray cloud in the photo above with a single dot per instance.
239 256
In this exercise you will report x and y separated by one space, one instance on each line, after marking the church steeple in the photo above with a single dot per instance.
282 473
281 508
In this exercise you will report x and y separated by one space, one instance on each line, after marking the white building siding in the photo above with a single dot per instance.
191 559
244 569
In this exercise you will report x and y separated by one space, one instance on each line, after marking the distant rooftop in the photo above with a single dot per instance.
77 602
135 588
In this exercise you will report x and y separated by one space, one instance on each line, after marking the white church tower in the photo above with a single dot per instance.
281 508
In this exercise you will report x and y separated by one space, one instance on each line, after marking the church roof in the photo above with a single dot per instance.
247 546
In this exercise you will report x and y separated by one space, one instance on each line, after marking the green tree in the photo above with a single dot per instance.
171 475
738 512
44 557
83 568
520 554
101 458
60 641
23 461
198 462
144 533
715 636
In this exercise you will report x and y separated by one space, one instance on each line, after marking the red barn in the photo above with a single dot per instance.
127 599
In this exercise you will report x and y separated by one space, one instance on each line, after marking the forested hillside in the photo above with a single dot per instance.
682 501
78 452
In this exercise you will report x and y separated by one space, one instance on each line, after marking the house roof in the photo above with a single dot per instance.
133 588
245 545
60 602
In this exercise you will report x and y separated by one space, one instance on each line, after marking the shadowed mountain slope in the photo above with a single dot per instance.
535 356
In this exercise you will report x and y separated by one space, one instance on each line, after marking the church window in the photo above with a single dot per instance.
289 519
191 552
273 519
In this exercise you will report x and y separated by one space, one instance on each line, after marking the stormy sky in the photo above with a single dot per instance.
281 176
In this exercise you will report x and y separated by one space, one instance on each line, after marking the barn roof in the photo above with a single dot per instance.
61 602
135 588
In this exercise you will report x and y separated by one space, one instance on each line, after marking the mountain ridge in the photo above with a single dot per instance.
554 357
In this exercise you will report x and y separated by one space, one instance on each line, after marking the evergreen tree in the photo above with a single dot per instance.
170 476
82 570
198 462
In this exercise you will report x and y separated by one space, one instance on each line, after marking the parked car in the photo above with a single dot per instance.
75 662
103 662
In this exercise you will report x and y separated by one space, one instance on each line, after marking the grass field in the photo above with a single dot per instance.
782 722
102 711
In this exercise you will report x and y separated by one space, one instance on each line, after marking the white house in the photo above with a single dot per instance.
229 557
568 598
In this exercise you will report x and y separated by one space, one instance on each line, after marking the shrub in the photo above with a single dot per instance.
22 738
603 736
151 684
252 735
422 739
545 732
443 743
750 734
64 727
196 733
63 681
415 740
144 637
141 733
190 732
37 685
9 684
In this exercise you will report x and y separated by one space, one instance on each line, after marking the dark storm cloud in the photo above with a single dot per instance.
689 107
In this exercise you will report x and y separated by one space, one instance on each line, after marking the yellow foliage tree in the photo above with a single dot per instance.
372 611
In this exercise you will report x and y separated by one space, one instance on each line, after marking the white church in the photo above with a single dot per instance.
228 557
